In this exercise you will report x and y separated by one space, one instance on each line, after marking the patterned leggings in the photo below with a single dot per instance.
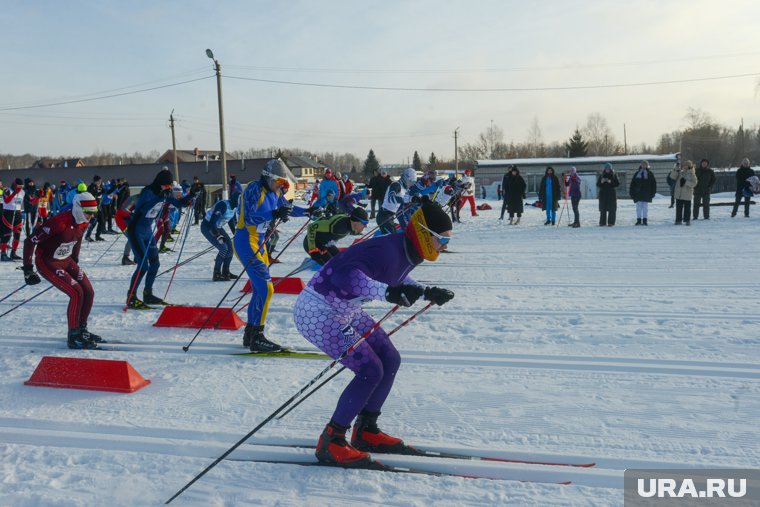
334 327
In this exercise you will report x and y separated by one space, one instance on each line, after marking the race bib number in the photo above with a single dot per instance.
155 210
43 204
18 203
64 251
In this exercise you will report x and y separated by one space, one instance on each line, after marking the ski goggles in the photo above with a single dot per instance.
444 240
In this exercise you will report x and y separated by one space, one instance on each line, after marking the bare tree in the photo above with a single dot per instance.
597 132
535 138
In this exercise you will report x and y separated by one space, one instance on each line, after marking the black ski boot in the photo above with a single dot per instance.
94 338
258 342
644 221
229 276
136 304
77 340
368 437
150 299
219 277
4 257
126 261
14 257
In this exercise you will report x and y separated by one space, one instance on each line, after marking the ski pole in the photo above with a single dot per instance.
304 266
253 257
186 226
26 301
186 261
107 249
290 400
13 292
308 221
150 241
564 204
328 379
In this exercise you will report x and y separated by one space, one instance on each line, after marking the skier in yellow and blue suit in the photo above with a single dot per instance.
261 203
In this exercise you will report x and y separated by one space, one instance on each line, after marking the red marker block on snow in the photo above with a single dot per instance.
88 374
194 317
287 285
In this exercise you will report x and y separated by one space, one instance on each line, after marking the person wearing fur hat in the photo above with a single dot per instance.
322 235
513 187
55 248
705 182
686 180
607 183
642 190
13 206
148 208
742 174
329 314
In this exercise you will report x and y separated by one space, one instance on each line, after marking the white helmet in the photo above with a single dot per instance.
408 177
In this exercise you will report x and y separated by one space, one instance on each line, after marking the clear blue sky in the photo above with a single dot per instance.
57 51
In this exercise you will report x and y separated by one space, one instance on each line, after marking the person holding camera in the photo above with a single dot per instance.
686 180
742 174
705 182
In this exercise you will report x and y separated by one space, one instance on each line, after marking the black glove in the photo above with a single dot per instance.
282 213
320 256
403 295
30 277
416 199
683 181
438 296
315 211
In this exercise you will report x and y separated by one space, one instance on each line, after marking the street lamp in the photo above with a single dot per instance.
218 69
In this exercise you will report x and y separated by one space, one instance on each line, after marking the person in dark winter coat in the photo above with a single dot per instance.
672 185
705 182
375 185
607 183
574 192
744 172
513 188
642 190
549 193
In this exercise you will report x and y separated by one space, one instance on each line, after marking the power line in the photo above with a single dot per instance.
487 90
102 97
334 70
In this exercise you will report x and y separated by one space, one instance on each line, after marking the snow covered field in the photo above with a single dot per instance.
629 347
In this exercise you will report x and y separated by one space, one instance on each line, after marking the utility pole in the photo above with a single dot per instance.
218 69
625 141
742 138
456 152
174 147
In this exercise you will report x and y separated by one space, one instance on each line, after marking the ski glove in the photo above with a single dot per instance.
314 211
30 277
438 296
403 295
282 213
683 181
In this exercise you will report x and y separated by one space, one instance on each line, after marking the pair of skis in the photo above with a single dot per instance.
379 465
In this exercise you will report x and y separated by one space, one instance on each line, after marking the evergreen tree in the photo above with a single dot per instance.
432 162
576 147
370 165
416 163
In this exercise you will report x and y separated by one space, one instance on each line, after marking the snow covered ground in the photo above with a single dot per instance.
626 346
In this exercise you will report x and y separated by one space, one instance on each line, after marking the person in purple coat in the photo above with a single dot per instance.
329 314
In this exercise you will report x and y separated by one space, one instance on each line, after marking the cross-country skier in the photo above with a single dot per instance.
13 205
57 243
322 235
328 313
395 197
262 202
148 207
212 228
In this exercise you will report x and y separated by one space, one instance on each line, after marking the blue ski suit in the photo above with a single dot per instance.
212 229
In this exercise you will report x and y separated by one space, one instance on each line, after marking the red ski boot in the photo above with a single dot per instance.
368 437
332 448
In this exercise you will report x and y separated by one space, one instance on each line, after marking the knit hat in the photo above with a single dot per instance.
428 217
608 166
164 177
359 214
18 182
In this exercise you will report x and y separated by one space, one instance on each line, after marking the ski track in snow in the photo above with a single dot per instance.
629 347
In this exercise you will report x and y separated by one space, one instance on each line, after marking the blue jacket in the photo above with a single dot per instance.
148 208
218 215
258 206
324 187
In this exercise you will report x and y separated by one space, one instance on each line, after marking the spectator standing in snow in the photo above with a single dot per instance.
642 190
607 184
468 192
574 185
514 187
549 194
705 182
672 186
742 174
686 180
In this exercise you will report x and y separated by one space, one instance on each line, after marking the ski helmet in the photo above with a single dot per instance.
83 203
276 171
408 177
427 221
